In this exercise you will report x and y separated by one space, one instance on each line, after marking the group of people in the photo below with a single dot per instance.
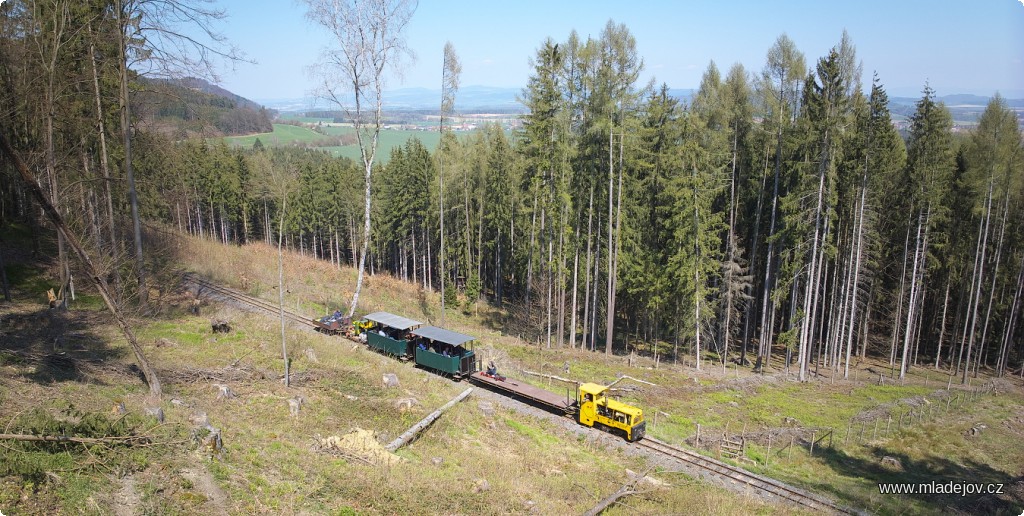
335 317
440 348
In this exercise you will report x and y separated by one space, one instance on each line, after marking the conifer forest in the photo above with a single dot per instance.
776 218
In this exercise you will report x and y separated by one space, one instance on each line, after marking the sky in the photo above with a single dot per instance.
969 46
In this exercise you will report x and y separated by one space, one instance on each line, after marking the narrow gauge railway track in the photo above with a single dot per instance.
254 302
739 477
734 477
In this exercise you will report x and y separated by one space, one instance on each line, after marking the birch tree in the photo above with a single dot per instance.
369 43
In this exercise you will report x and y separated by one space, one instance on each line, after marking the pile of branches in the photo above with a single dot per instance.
237 373
37 444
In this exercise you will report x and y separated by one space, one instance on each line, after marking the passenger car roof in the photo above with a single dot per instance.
391 320
442 335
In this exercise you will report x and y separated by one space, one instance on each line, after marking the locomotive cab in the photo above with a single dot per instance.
596 409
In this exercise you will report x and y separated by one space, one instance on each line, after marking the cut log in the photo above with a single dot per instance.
129 439
627 489
624 376
414 430
553 377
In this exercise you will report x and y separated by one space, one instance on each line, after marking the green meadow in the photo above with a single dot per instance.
289 135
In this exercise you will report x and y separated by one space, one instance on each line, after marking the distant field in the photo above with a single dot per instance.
285 135
304 119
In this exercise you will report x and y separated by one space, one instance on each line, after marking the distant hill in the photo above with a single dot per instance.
965 108
485 99
192 106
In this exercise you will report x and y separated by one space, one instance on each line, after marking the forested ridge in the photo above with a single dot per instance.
778 218
194 108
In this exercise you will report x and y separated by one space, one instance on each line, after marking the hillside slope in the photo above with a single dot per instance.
72 370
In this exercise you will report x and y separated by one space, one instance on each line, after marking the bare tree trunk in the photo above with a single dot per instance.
102 133
561 278
899 302
811 297
1011 323
920 248
942 325
609 329
366 243
280 289
995 276
129 169
973 316
29 182
614 280
3 275
575 291
413 431
587 329
529 250
440 258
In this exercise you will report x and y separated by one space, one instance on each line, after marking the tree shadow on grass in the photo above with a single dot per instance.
933 469
49 346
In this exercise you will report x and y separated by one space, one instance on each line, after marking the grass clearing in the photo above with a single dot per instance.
285 135
464 462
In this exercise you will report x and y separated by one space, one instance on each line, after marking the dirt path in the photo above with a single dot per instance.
216 500
127 500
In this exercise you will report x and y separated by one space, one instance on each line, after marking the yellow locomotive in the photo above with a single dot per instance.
596 409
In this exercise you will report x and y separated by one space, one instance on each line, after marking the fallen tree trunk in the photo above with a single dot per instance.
29 181
130 439
626 490
623 377
414 430
553 377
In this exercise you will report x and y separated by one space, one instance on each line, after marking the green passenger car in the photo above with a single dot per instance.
388 334
444 351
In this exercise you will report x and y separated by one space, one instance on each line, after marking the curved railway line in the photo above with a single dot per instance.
739 478
206 286
730 476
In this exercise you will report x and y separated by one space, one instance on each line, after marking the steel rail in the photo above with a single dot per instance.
255 302
767 486
737 475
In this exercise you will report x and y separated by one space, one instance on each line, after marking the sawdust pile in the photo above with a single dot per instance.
358 445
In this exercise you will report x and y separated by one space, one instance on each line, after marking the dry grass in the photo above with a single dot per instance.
270 463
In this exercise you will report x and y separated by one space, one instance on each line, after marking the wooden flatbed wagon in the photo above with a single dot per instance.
526 391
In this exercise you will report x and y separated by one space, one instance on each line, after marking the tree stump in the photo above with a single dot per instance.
295 405
156 412
224 392
403 404
220 326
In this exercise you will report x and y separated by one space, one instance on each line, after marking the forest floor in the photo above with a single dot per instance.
71 372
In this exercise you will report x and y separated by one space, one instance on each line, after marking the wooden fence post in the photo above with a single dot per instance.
814 433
